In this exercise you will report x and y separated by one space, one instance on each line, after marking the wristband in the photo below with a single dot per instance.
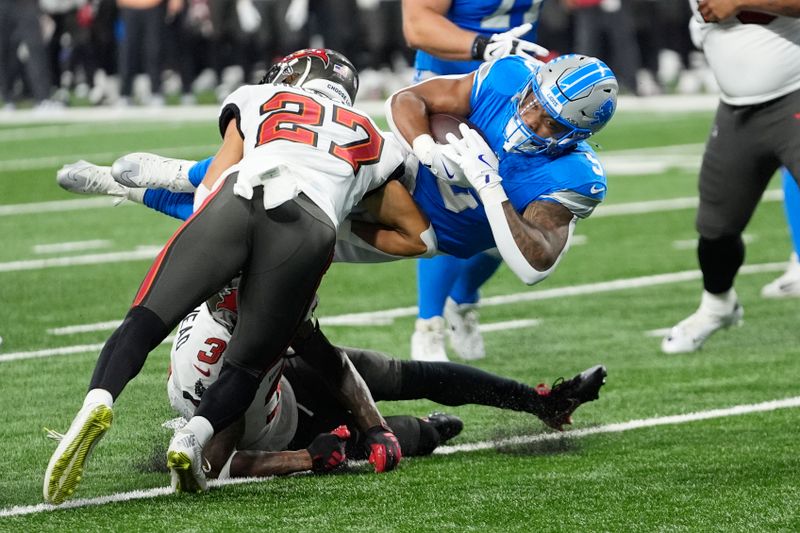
479 46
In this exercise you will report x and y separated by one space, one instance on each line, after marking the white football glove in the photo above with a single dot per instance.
507 44
477 160
439 159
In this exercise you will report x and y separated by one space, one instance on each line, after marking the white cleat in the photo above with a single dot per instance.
690 333
465 337
83 177
787 285
68 462
151 171
185 463
427 342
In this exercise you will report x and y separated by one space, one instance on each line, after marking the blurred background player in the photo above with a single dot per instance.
551 176
455 37
787 285
755 57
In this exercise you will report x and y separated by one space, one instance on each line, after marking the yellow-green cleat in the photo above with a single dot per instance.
67 464
185 463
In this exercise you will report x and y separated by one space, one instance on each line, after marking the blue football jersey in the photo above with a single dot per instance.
575 179
486 17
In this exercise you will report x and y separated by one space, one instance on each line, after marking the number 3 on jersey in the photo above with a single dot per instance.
295 117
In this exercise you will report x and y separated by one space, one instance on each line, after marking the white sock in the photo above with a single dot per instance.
98 396
718 304
202 429
135 195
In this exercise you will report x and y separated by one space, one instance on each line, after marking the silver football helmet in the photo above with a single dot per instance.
579 92
320 70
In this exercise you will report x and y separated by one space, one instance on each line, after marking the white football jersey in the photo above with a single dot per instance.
195 363
752 62
299 141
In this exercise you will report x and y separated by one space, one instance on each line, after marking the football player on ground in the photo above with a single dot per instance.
294 415
272 219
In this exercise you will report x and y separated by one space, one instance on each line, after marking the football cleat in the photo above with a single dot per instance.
465 337
787 285
66 466
427 341
151 171
447 426
554 405
689 334
185 463
83 177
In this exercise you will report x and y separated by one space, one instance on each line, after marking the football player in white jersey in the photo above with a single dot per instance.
753 48
295 159
295 414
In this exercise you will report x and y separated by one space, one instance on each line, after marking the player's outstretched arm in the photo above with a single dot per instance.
349 388
399 228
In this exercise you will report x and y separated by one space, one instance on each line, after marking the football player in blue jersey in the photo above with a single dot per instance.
455 37
530 174
788 284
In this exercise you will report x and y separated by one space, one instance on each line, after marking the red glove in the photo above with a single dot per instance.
384 450
327 449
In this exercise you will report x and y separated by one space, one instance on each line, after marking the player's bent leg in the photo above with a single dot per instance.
461 309
66 466
435 278
83 177
153 171
788 284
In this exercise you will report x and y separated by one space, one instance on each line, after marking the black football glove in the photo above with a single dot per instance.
383 448
327 449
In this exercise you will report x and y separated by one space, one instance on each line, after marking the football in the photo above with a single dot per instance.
444 123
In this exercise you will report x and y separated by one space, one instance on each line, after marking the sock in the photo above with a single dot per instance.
718 304
98 396
201 428
227 399
435 278
198 171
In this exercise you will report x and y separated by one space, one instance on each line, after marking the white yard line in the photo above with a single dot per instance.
509 324
787 403
58 206
92 259
52 162
74 130
738 410
74 246
66 350
387 316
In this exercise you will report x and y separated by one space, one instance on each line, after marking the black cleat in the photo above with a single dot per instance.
448 426
557 403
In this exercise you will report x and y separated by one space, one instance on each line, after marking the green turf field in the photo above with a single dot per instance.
725 473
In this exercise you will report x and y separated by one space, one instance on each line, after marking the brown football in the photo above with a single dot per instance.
444 123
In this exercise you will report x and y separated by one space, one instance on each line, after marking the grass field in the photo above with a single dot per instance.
730 472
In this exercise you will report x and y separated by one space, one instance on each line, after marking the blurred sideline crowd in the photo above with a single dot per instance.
141 52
